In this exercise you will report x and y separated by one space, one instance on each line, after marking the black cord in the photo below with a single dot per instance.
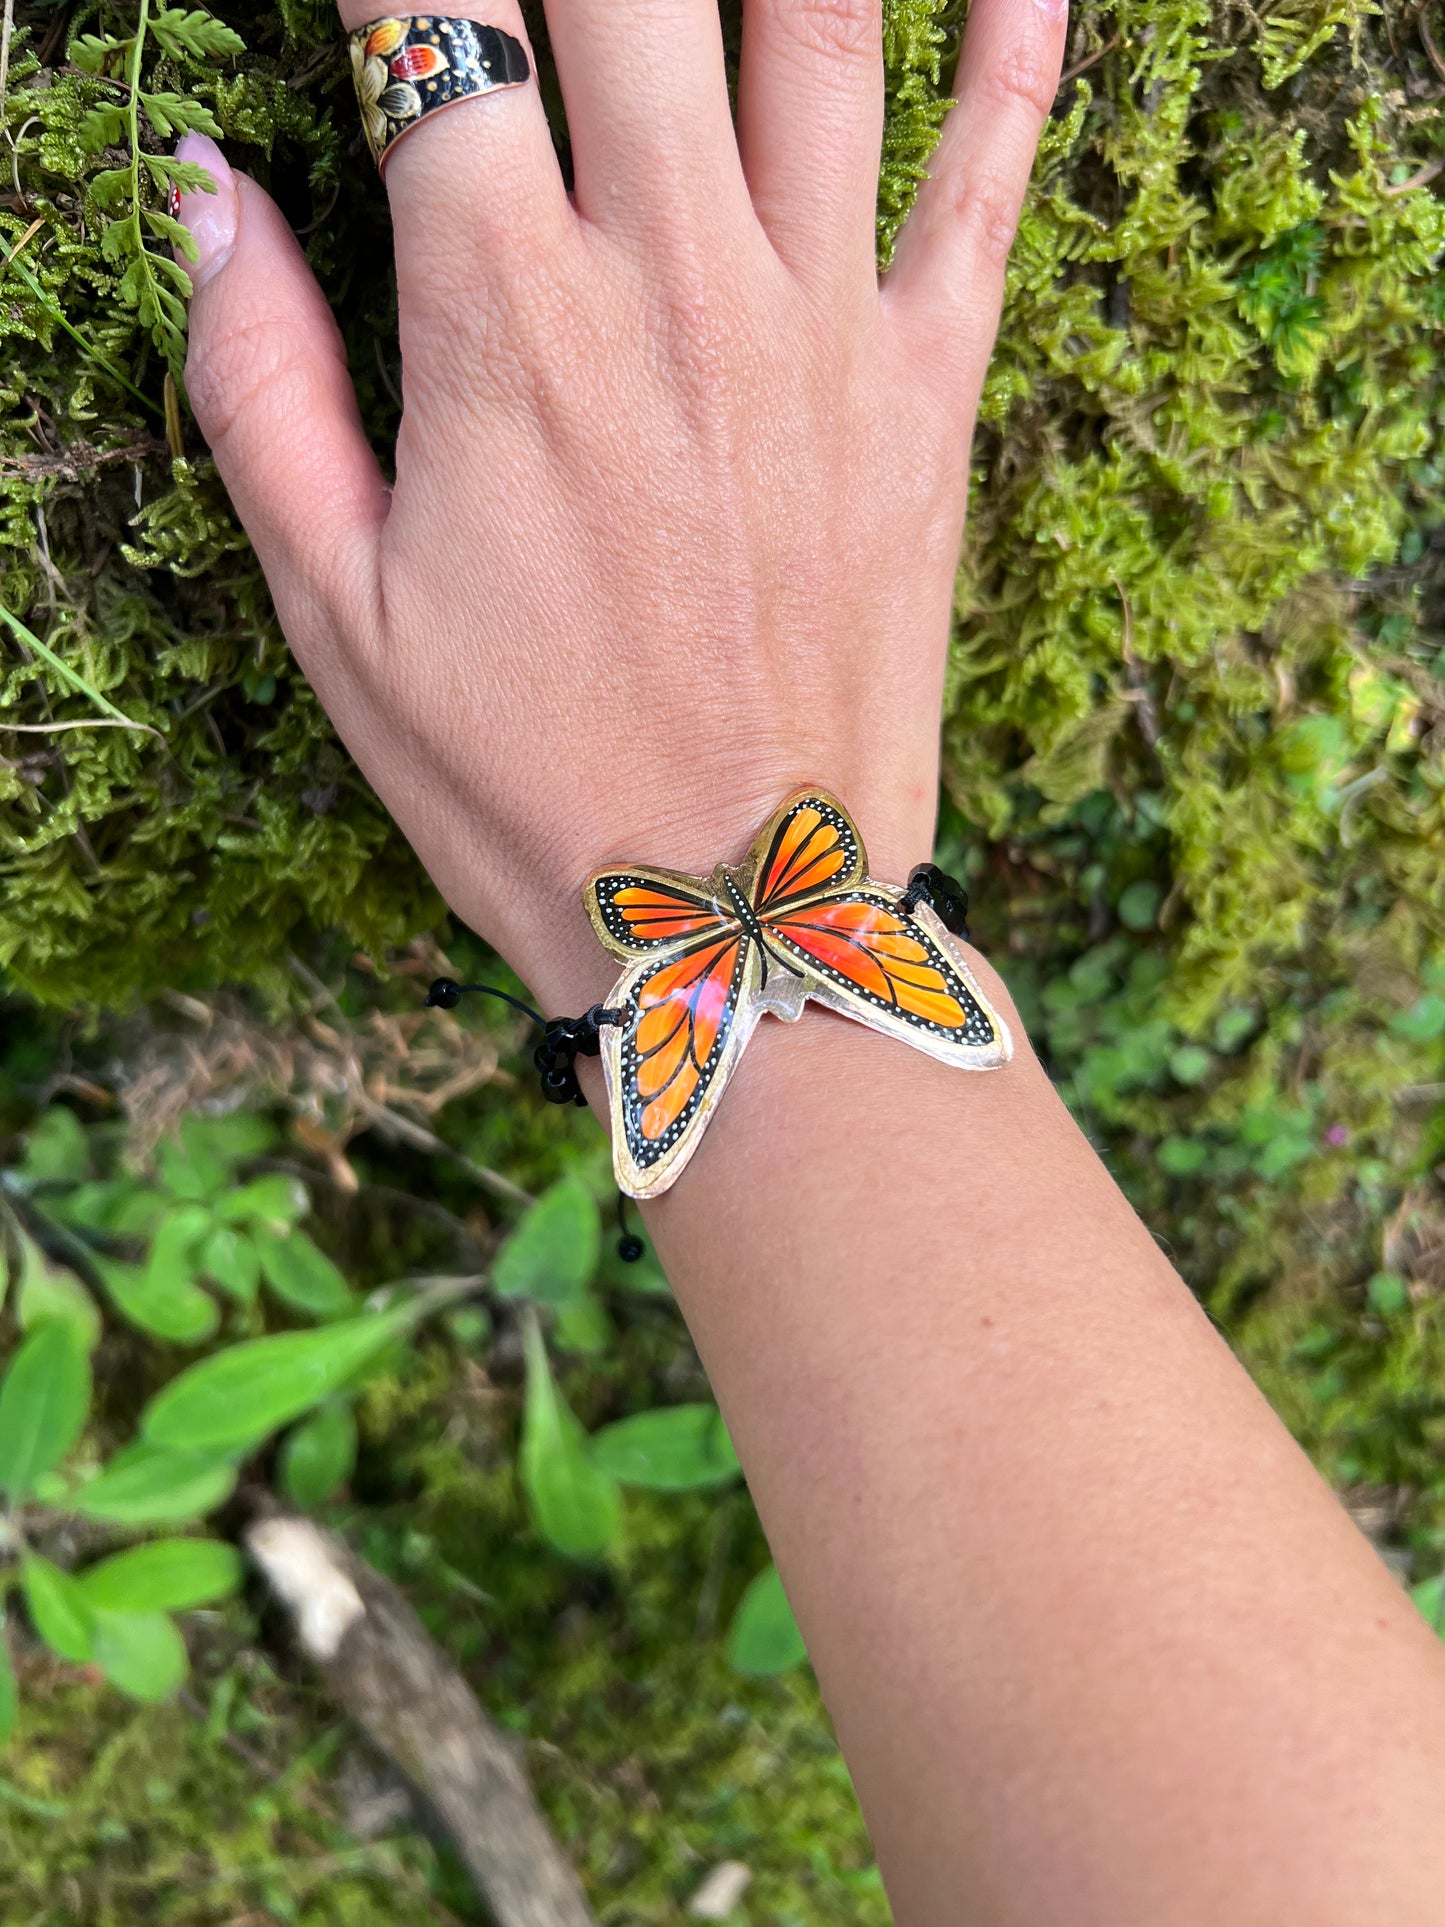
445 994
564 1040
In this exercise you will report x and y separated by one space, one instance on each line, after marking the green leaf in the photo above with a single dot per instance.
234 1400
1232 1026
1423 1022
275 1201
575 1503
59 1610
55 1149
682 1448
1183 1157
160 1298
552 1255
319 1455
9 1696
1387 1293
48 1293
582 1325
229 1258
181 32
43 1403
109 188
1190 1064
102 127
234 1135
90 51
117 1205
152 1485
1139 906
165 1575
302 1275
141 1653
180 114
470 1326
1429 1596
188 1170
764 1638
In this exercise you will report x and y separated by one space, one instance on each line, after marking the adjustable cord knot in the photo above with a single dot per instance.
564 1040
943 894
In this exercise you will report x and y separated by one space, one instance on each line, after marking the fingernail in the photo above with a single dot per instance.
211 218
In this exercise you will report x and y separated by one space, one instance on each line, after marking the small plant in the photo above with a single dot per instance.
571 1479
197 1253
139 229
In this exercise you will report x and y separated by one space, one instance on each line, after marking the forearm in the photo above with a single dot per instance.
1064 1577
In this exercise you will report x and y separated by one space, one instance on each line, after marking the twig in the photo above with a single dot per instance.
53 729
1083 66
379 1664
1426 174
7 27
81 459
1427 39
420 1139
1138 692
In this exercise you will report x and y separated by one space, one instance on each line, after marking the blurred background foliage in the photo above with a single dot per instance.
1194 774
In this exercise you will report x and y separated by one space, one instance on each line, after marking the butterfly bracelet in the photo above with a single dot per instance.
798 920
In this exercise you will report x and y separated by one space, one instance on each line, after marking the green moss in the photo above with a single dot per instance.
112 1814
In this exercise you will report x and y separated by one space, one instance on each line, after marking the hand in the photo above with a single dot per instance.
679 485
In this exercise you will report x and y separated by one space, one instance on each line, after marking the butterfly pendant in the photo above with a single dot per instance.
800 918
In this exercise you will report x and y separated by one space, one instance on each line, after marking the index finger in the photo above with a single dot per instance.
947 280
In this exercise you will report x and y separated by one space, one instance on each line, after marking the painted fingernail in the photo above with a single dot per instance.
211 218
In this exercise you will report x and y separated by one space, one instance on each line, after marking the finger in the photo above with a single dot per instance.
810 129
946 284
266 375
645 88
469 185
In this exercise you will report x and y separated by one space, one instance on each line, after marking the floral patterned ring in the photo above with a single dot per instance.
417 63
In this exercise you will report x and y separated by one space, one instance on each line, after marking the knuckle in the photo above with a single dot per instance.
1028 74
251 364
849 29
987 209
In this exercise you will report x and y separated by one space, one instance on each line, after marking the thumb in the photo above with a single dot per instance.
266 375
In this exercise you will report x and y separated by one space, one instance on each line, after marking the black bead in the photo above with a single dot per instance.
445 994
629 1249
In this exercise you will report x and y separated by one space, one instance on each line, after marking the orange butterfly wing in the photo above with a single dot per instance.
638 910
882 964
810 845
678 1034
667 1061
